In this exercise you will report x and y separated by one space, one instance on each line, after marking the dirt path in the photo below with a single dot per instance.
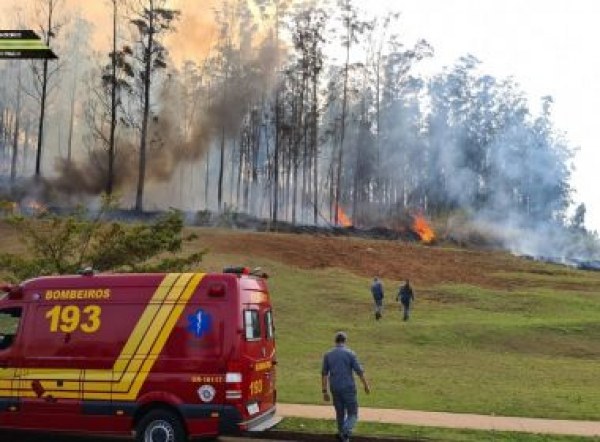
449 420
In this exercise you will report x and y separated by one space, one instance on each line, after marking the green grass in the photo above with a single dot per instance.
423 433
530 348
533 352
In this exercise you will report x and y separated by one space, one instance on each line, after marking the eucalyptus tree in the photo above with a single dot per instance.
152 20
46 10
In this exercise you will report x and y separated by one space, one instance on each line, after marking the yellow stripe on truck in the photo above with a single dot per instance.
162 339
126 378
166 286
166 313
127 362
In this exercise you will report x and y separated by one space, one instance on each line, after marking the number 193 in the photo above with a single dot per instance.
69 318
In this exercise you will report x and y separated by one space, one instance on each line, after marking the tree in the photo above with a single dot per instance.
353 27
281 8
152 21
308 35
578 220
113 103
17 128
48 10
78 40
65 244
98 113
490 155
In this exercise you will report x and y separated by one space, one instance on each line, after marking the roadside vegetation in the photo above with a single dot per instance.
56 244
413 433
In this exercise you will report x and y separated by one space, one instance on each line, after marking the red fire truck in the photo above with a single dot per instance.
162 357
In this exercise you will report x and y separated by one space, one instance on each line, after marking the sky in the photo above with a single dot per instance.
548 46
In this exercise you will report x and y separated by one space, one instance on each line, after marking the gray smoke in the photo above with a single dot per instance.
507 169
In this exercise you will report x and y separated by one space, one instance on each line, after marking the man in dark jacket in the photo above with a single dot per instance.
377 292
339 364
405 296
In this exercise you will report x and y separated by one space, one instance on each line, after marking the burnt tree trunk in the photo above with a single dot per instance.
113 108
315 151
25 162
40 141
277 128
15 151
139 200
221 167
206 181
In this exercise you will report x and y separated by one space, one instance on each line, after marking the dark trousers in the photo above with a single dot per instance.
378 308
406 307
346 410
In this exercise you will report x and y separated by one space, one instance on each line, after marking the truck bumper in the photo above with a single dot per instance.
204 420
230 421
263 422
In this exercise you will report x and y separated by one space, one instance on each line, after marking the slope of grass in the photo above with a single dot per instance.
534 352
508 338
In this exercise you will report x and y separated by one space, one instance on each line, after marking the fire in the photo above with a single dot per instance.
423 229
343 219
36 207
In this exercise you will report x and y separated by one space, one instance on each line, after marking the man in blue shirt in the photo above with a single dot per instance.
339 364
377 292
405 297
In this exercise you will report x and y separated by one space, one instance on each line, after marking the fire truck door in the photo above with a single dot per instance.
49 403
51 380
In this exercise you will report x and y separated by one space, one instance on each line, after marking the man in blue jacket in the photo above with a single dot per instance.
377 292
405 297
339 364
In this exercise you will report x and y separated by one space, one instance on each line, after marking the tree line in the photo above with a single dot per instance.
298 108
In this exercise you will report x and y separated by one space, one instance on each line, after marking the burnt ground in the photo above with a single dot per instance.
396 259
425 265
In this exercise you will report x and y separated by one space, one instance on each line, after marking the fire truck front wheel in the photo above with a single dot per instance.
160 426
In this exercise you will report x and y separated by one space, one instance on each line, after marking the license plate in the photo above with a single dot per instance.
252 408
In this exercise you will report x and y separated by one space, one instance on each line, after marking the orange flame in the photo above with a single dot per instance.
423 229
343 219
36 207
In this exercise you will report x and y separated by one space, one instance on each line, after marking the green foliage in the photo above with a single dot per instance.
65 244
173 264
411 432
21 268
6 207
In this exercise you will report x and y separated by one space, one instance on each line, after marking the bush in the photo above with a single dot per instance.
66 244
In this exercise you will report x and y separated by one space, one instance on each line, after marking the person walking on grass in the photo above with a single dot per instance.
377 292
339 365
405 297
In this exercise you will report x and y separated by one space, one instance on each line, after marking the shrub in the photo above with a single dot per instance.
66 244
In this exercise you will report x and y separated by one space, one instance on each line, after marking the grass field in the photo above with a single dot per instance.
490 333
407 432
534 352
530 349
